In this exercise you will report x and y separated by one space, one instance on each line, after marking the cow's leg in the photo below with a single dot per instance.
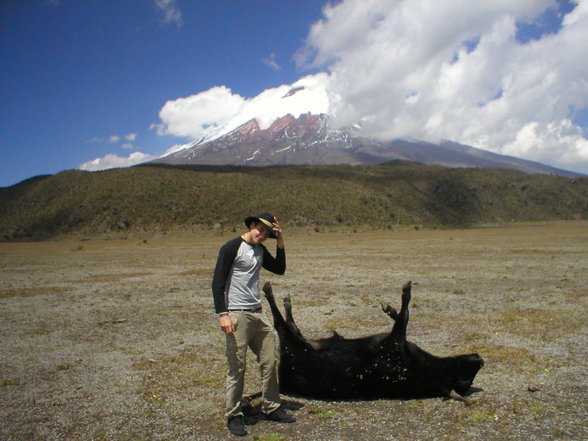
269 295
389 310
288 331
289 318
399 329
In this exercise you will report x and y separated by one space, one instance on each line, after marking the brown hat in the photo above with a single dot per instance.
266 219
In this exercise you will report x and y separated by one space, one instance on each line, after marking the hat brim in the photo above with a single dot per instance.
255 219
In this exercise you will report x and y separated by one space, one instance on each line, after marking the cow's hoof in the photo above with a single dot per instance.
268 291
389 310
406 296
288 302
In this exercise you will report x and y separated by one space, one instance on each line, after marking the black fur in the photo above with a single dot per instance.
377 366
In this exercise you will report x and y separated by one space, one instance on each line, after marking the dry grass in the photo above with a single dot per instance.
116 339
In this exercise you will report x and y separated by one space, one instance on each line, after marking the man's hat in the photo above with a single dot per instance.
266 219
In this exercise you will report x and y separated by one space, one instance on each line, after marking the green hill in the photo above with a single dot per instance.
158 198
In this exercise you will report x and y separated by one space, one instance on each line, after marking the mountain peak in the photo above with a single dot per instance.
249 129
306 139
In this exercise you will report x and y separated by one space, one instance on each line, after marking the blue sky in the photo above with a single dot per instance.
117 81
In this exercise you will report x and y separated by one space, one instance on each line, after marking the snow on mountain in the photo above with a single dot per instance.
307 139
288 125
218 111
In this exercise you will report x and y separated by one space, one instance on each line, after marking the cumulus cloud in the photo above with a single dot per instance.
171 12
539 139
431 70
115 161
219 110
197 114
456 70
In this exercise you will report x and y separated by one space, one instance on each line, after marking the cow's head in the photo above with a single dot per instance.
463 371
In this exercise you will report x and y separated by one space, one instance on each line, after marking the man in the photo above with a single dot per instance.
235 289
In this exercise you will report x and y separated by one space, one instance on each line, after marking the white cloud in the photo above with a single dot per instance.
219 110
128 145
271 62
558 142
412 69
115 161
195 115
113 139
171 12
429 70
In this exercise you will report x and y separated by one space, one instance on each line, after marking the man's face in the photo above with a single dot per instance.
259 232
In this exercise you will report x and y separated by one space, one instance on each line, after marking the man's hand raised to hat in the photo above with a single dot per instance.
278 230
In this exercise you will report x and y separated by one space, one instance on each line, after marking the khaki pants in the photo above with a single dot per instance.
255 331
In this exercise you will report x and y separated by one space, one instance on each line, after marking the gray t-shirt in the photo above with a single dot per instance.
242 288
235 284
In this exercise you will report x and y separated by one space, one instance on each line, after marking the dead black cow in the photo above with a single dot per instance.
377 366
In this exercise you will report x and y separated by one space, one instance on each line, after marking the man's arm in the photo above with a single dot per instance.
224 262
276 265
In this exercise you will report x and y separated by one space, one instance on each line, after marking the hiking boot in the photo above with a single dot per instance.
236 425
281 416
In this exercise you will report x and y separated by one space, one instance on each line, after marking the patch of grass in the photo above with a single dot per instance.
483 414
548 324
101 278
203 272
187 375
474 337
577 295
537 408
271 437
415 404
337 323
512 359
41 329
321 413
32 292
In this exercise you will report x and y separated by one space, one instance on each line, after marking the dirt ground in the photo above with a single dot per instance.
117 340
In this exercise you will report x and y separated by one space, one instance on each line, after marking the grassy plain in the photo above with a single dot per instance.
116 339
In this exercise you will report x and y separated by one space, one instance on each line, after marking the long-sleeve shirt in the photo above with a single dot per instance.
235 284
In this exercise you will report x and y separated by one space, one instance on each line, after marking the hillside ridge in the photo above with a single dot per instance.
156 198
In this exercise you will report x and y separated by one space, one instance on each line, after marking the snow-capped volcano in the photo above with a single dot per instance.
287 140
308 140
